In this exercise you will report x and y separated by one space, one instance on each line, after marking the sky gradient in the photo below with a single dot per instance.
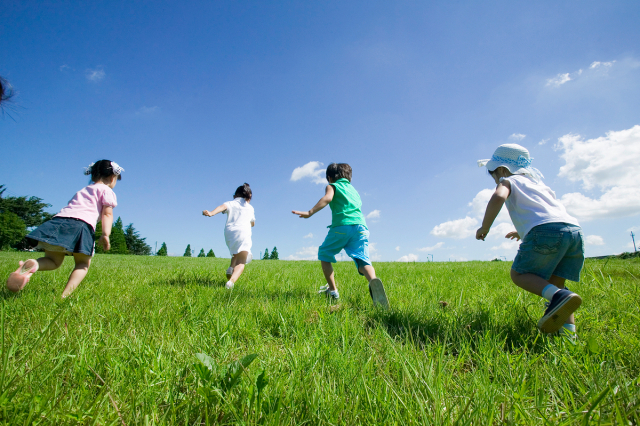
195 99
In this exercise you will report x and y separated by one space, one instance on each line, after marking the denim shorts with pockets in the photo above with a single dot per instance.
551 249
354 239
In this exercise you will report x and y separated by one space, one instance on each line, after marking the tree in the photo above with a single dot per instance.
117 239
12 229
163 250
211 253
201 254
135 243
274 254
29 210
187 252
266 254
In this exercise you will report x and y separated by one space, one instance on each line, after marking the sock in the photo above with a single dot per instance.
549 291
570 327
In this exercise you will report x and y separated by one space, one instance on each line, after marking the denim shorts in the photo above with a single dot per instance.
354 239
551 249
66 235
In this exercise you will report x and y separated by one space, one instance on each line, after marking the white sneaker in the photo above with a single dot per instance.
330 293
229 285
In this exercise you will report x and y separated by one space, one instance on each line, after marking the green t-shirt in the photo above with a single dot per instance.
345 206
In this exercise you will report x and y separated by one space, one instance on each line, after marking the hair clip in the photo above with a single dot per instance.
116 169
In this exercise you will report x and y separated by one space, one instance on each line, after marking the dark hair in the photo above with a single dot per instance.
100 170
243 191
337 171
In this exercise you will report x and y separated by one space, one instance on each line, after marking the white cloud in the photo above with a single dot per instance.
312 170
458 229
309 235
596 64
479 205
95 75
305 253
558 80
508 245
501 230
609 163
398 248
432 248
634 229
517 136
373 252
408 258
374 215
147 110
64 67
458 258
543 141
594 240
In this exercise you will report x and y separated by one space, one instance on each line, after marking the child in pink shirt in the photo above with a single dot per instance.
72 231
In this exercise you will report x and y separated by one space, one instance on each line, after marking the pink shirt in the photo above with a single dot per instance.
87 204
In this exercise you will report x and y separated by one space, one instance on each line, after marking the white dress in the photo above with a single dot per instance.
237 231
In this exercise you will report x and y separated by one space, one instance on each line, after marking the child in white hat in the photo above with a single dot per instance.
552 249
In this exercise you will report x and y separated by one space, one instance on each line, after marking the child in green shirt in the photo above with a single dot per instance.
348 231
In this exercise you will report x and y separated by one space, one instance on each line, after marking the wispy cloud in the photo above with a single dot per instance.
517 136
374 215
432 248
559 80
563 78
594 240
305 253
312 170
95 75
597 64
147 110
64 68
543 141
309 235
397 248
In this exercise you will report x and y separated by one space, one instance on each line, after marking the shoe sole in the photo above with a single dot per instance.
378 295
553 321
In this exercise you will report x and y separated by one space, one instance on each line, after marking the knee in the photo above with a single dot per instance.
57 261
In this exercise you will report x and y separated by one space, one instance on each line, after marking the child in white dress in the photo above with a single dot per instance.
237 231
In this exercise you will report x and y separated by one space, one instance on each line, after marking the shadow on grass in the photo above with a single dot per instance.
459 329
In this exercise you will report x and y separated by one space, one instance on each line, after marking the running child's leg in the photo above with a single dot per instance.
368 272
18 279
51 261
232 265
79 272
240 259
327 270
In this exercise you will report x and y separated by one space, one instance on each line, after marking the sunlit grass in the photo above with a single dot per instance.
149 340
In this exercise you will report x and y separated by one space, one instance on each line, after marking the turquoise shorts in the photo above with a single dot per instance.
354 239
551 249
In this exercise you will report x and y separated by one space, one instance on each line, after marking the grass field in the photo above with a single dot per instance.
148 340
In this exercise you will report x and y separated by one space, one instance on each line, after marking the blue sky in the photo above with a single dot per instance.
194 99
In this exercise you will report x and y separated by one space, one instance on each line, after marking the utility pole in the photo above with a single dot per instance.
431 257
634 242
156 252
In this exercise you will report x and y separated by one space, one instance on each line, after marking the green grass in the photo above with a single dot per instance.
124 347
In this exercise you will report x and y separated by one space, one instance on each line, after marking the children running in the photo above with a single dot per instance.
72 231
237 232
552 250
348 231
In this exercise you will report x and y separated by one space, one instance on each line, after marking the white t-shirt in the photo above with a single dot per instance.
240 214
531 204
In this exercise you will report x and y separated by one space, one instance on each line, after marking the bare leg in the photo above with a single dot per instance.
79 272
234 260
535 284
51 261
327 269
368 272
240 259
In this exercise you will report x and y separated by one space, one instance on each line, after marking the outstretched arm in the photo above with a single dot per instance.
328 196
107 221
502 192
215 211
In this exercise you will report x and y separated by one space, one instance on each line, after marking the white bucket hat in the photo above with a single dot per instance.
514 158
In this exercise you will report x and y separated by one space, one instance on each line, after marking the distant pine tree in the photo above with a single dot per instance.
211 254
201 254
274 254
135 243
187 252
117 239
266 254
163 250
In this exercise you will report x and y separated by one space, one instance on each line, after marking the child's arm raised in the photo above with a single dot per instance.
502 192
107 221
328 196
215 211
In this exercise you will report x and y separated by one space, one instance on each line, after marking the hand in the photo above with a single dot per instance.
304 215
104 242
206 213
513 235
481 233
